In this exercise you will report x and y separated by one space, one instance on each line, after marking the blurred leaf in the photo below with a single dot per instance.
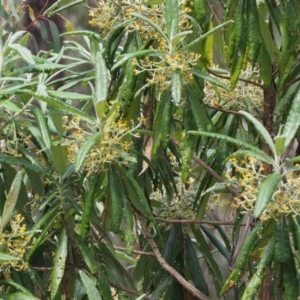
11 201
58 271
89 285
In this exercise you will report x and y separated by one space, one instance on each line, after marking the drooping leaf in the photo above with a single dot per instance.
265 193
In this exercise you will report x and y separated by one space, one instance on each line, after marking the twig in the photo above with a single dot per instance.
287 85
188 286
240 79
138 252
233 112
100 239
176 221
127 290
213 12
209 170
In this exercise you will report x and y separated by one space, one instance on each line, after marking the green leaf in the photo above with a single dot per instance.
18 296
265 192
172 17
24 53
261 129
257 278
60 105
256 152
15 286
197 107
89 286
136 194
153 25
243 256
88 206
60 158
215 241
43 126
162 122
115 211
176 81
87 255
101 85
282 250
84 150
69 95
194 42
293 121
212 79
209 259
6 257
124 57
11 201
58 271
193 265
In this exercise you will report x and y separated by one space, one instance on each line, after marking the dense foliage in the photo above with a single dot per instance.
177 163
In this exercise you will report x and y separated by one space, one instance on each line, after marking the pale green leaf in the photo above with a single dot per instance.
265 193
176 81
6 257
101 85
24 53
59 263
261 129
11 201
83 151
43 126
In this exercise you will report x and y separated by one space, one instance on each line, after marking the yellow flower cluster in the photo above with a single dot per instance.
159 68
248 177
113 147
244 94
179 208
14 244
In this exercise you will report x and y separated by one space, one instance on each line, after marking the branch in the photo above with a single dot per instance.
233 112
188 286
134 251
100 239
127 290
240 79
209 170
175 221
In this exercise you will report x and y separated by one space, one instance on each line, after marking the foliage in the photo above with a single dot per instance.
163 151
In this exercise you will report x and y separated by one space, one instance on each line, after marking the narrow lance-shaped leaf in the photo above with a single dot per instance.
293 121
265 193
59 263
18 296
193 266
257 279
253 149
172 17
101 82
89 286
6 257
176 81
83 151
261 129
43 126
115 212
11 201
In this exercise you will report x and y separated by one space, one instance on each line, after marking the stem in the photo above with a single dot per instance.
188 286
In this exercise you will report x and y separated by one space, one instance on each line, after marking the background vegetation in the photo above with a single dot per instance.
180 164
